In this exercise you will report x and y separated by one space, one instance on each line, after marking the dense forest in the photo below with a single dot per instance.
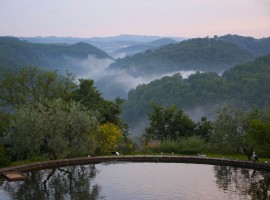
15 53
244 86
258 47
202 54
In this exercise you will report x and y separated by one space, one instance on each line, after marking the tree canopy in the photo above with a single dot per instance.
57 129
243 86
43 114
33 85
168 123
202 54
15 54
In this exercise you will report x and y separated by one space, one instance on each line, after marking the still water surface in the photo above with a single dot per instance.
146 181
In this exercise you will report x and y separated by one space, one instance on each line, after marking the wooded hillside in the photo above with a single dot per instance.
203 54
246 85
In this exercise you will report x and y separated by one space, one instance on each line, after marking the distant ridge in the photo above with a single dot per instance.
138 48
107 44
15 53
258 47
203 54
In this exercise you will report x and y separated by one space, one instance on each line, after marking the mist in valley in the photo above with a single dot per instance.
114 83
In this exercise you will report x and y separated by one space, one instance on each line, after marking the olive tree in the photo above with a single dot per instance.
32 84
258 134
229 129
57 129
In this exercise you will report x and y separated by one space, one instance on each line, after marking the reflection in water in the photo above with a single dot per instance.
140 181
72 182
255 184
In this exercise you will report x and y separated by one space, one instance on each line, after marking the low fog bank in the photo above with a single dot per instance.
90 68
119 82
113 83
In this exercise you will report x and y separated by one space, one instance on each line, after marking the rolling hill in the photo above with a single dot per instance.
107 44
133 49
257 47
243 86
202 54
15 53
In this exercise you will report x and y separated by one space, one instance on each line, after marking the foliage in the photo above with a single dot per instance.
4 122
108 138
168 123
229 133
229 130
243 86
185 145
204 128
57 129
4 160
203 54
87 94
259 136
47 115
107 111
30 85
258 47
15 53
166 146
193 145
128 146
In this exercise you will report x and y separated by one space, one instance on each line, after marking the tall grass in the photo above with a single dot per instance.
189 145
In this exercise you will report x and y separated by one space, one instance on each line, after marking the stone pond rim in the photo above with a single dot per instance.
166 159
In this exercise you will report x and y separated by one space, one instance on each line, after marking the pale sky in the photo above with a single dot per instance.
99 18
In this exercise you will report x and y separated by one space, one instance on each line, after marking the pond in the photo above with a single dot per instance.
127 180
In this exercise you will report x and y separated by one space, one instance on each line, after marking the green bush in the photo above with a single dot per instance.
188 145
192 145
4 160
169 146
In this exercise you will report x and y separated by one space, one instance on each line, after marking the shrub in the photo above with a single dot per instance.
108 138
192 145
4 160
169 146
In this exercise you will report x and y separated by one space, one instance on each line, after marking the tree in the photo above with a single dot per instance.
168 123
108 138
204 128
229 129
33 85
87 94
4 121
57 129
258 136
4 159
107 111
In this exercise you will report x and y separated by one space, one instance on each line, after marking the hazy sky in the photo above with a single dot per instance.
89 18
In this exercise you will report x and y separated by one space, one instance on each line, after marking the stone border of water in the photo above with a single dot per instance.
167 159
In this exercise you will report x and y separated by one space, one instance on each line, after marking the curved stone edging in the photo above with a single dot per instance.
172 159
